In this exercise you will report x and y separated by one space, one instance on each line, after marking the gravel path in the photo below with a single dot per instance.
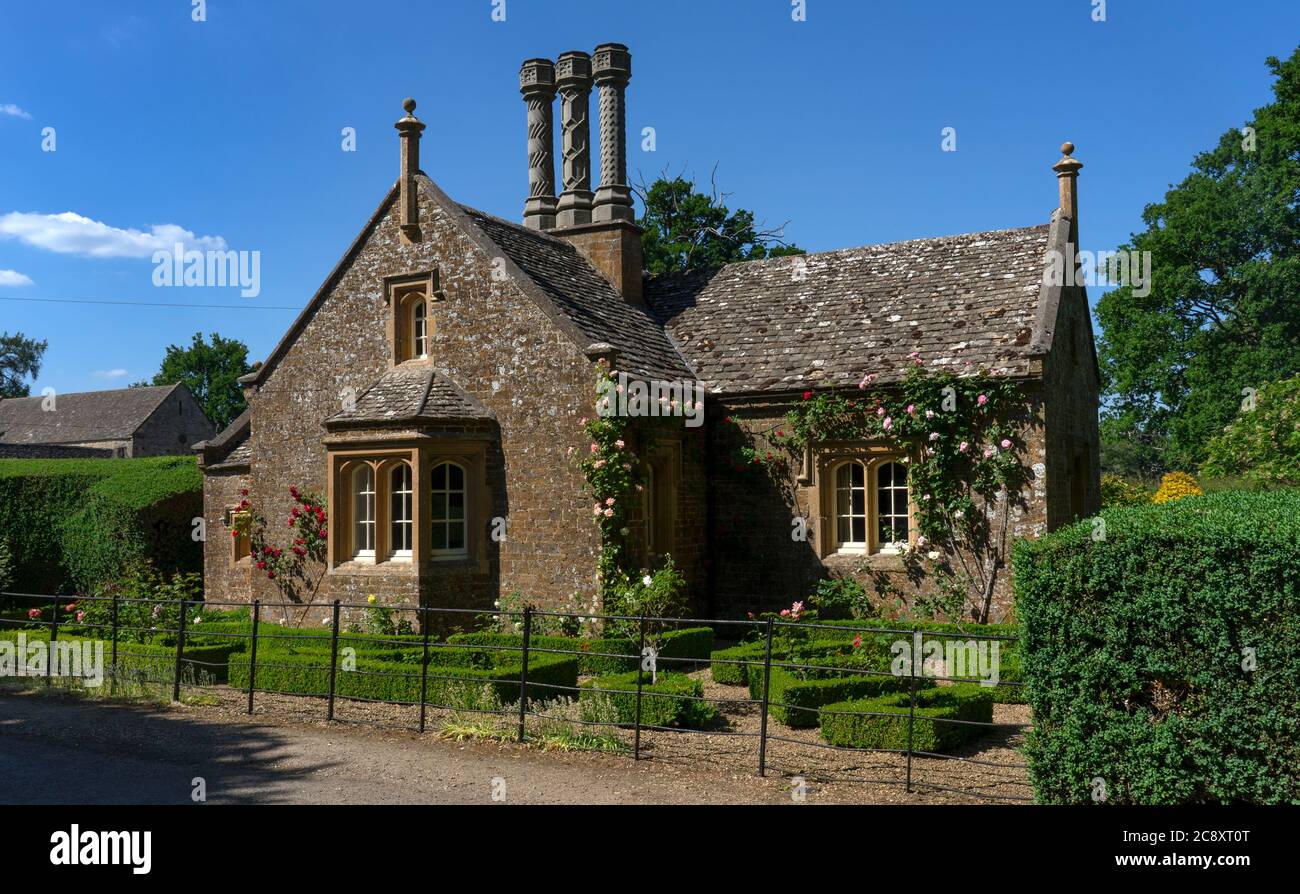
56 748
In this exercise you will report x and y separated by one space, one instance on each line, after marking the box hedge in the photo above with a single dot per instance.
672 700
74 523
155 662
596 655
549 677
794 701
1163 659
882 722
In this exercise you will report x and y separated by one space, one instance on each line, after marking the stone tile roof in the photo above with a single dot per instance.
587 299
81 417
773 325
230 448
412 392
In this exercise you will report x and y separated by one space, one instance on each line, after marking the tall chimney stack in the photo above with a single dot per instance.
537 84
611 70
1067 178
573 78
409 129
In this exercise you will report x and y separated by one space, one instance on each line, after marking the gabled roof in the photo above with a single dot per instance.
825 320
77 418
587 299
410 393
548 270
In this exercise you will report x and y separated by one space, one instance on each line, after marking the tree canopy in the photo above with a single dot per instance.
20 358
1223 311
211 372
688 230
1262 445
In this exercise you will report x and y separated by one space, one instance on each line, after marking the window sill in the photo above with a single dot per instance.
370 566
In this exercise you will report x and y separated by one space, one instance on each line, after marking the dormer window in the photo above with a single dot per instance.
411 319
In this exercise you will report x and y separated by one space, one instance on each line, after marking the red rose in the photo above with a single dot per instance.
807 395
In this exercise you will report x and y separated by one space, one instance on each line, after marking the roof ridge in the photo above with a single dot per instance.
760 262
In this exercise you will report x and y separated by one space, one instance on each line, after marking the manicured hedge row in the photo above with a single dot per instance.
1164 659
391 681
597 655
74 523
738 674
157 662
671 701
794 701
839 726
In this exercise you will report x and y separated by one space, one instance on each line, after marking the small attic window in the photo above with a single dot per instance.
411 322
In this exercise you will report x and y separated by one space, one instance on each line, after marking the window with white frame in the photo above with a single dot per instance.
419 329
851 507
401 520
447 510
870 506
363 512
891 507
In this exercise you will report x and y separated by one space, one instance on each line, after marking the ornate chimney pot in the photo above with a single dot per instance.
611 70
537 84
573 79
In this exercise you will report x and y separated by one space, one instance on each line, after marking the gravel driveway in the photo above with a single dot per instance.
67 750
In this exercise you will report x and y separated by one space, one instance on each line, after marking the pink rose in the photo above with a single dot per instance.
1006 444
963 446
981 400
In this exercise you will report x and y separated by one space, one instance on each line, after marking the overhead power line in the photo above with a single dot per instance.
250 306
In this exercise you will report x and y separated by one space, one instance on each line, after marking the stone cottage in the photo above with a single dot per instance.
434 389
162 420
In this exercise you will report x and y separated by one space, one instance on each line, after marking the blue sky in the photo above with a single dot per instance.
230 129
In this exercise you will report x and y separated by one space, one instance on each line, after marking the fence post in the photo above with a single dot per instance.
54 638
523 671
767 679
911 710
112 675
334 657
252 656
180 651
640 659
424 664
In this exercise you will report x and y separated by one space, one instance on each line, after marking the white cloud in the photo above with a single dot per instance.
8 108
109 373
14 278
71 234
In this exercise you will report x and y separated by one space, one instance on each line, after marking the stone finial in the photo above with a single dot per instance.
611 71
1067 175
537 84
573 79
409 129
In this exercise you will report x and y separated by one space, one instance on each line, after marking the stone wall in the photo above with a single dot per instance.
224 580
497 345
757 565
171 429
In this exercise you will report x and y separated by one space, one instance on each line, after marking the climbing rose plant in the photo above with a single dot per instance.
964 459
288 569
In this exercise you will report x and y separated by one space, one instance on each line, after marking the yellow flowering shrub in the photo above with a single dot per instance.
1175 486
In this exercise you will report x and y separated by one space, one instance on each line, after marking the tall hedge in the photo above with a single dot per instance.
72 523
1162 653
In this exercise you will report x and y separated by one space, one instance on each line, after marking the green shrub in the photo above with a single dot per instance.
394 681
673 700
75 523
6 565
157 663
840 598
794 700
964 702
1138 652
596 655
724 671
